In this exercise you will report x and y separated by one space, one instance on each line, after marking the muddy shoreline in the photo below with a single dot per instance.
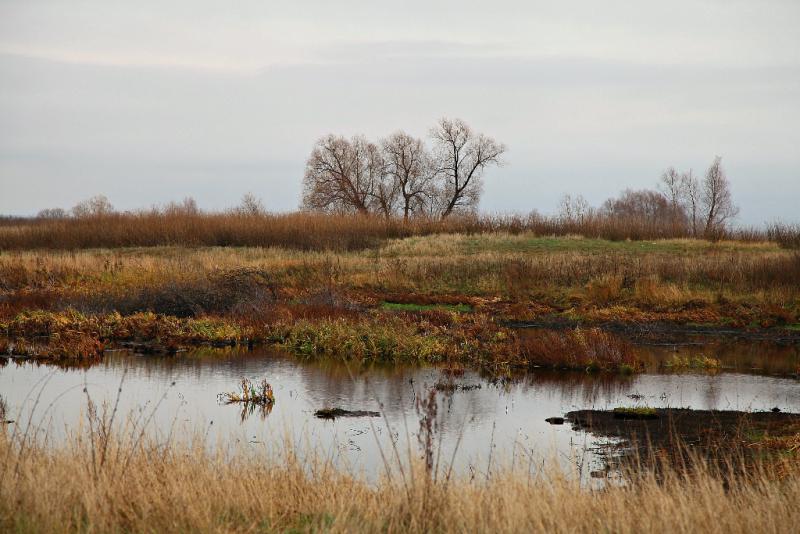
686 435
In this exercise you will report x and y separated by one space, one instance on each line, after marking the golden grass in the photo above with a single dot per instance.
441 264
147 487
698 361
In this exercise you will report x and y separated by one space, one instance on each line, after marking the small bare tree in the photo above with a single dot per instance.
52 213
690 189
717 203
188 206
250 205
461 157
93 207
408 167
671 186
340 176
574 210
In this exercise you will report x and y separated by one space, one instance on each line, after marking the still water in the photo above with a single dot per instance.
175 397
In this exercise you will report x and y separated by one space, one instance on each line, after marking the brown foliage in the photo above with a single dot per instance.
308 231
577 349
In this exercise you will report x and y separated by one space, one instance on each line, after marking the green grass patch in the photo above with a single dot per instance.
411 307
534 244
641 412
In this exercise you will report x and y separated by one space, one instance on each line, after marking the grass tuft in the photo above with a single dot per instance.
579 349
699 361
250 393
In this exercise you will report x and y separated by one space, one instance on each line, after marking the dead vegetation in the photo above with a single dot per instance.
314 231
250 393
143 486
578 349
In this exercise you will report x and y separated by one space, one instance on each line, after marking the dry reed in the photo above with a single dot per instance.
312 231
149 487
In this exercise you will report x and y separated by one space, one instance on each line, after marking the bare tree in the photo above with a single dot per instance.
383 194
574 210
717 203
52 213
340 176
690 188
188 206
650 208
250 205
671 186
461 158
408 166
93 207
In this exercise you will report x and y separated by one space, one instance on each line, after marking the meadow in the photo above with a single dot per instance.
375 289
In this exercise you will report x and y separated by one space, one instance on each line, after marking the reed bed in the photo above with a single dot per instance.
578 349
143 486
313 231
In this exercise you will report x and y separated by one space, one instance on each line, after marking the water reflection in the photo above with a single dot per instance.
178 395
759 356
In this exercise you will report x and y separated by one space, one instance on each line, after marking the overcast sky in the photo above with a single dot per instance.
148 102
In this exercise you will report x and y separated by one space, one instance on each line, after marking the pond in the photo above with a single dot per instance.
177 396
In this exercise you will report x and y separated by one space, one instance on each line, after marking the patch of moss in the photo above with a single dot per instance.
639 412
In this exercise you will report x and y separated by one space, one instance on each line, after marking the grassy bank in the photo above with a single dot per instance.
420 298
376 336
175 488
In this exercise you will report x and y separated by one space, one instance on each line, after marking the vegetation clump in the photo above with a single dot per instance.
61 346
391 340
579 349
250 393
699 361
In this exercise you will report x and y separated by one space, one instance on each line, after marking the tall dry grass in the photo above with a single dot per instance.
306 231
195 281
143 486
